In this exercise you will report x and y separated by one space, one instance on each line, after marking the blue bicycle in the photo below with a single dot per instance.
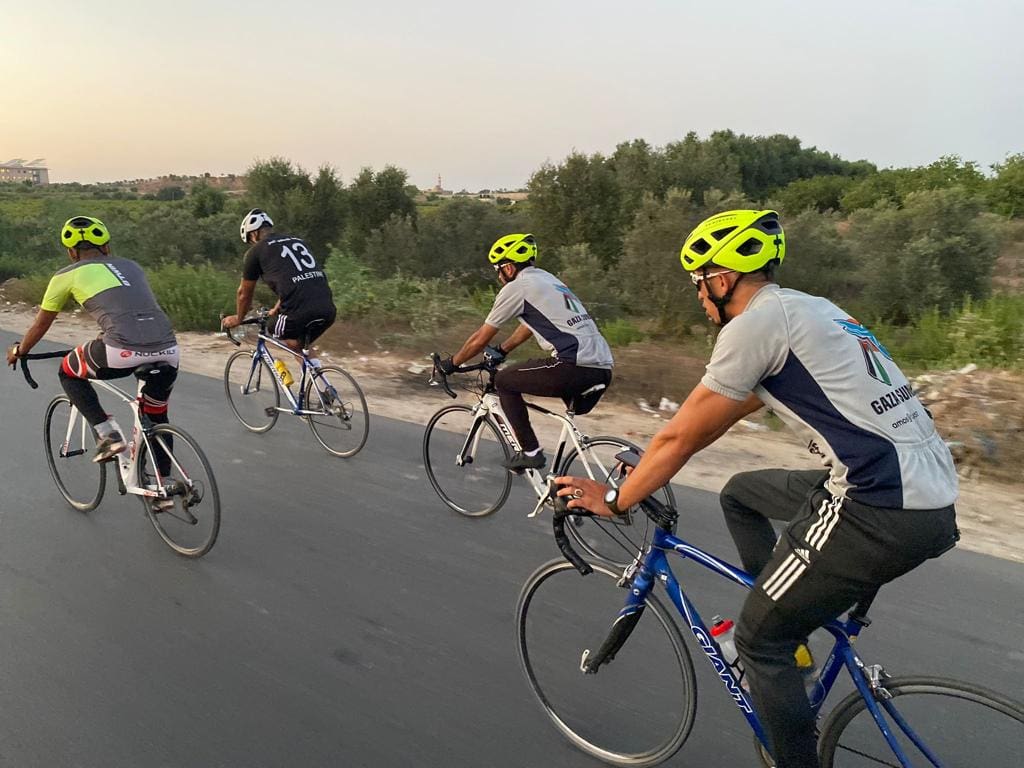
328 398
883 721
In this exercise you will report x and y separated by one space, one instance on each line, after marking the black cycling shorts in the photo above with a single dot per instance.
306 325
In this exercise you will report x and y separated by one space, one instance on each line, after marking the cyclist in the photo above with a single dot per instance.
135 332
882 506
305 305
580 367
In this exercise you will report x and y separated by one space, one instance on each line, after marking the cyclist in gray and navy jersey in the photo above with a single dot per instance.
580 366
882 505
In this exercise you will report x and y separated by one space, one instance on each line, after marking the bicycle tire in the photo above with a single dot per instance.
258 422
492 472
202 491
960 739
608 540
686 687
354 416
89 499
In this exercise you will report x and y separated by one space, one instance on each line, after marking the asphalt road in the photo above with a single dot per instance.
345 617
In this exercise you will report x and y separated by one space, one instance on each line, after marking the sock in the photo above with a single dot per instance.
106 428
534 452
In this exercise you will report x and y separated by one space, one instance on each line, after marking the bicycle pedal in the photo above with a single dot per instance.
270 411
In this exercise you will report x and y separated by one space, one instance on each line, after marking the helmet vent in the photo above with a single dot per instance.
700 246
718 234
522 249
749 248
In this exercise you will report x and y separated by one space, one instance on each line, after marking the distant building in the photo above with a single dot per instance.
17 171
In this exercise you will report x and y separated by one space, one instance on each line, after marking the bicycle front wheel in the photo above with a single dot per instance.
936 721
610 540
251 391
191 524
463 455
343 421
69 451
638 709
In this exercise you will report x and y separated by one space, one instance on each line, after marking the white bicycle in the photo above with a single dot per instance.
190 523
464 447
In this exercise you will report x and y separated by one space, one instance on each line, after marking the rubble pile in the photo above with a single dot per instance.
981 416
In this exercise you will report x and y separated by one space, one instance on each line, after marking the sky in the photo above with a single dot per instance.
483 93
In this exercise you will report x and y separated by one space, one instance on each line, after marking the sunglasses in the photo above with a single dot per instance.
698 279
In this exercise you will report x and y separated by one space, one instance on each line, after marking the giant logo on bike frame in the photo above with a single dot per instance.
721 668
871 348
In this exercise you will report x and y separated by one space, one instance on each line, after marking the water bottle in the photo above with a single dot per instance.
286 375
723 630
808 670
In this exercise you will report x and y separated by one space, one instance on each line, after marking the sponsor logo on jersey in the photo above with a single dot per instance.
571 302
871 348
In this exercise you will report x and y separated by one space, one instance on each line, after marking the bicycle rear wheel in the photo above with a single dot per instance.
961 724
636 710
609 540
343 423
191 525
251 391
80 481
463 456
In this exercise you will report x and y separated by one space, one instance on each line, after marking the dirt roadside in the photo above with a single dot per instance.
990 514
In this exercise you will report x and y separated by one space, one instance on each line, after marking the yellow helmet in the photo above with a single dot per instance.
744 241
517 248
79 229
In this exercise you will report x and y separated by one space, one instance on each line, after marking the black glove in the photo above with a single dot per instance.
494 354
446 366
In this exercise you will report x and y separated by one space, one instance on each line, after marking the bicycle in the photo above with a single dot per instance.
468 475
69 442
884 721
329 399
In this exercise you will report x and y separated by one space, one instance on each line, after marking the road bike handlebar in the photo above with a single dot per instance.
439 378
660 514
260 319
23 359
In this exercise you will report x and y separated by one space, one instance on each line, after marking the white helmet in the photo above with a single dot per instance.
253 220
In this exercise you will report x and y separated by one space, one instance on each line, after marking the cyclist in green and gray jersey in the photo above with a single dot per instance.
135 331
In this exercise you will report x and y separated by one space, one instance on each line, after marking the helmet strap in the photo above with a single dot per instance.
720 302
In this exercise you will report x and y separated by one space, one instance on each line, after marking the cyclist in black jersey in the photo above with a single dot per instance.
305 306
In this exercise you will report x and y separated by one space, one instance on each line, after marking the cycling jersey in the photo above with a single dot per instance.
827 376
117 295
558 319
286 265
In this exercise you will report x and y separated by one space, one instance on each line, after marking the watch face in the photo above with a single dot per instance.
611 495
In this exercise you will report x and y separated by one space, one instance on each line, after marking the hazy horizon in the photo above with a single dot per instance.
484 97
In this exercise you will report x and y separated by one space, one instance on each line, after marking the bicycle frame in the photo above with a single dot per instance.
868 680
127 461
490 407
262 352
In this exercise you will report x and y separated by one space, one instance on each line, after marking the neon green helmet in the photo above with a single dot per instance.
79 229
744 241
517 248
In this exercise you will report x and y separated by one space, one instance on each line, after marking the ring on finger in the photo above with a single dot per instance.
577 493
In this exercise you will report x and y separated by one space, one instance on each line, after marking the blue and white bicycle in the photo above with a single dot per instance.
327 396
639 710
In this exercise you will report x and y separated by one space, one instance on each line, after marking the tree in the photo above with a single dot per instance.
373 198
933 252
170 193
577 202
205 200
1006 190
818 193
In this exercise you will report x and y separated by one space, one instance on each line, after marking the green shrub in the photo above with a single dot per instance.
621 332
194 297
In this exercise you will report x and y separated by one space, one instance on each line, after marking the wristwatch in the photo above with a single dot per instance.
611 499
